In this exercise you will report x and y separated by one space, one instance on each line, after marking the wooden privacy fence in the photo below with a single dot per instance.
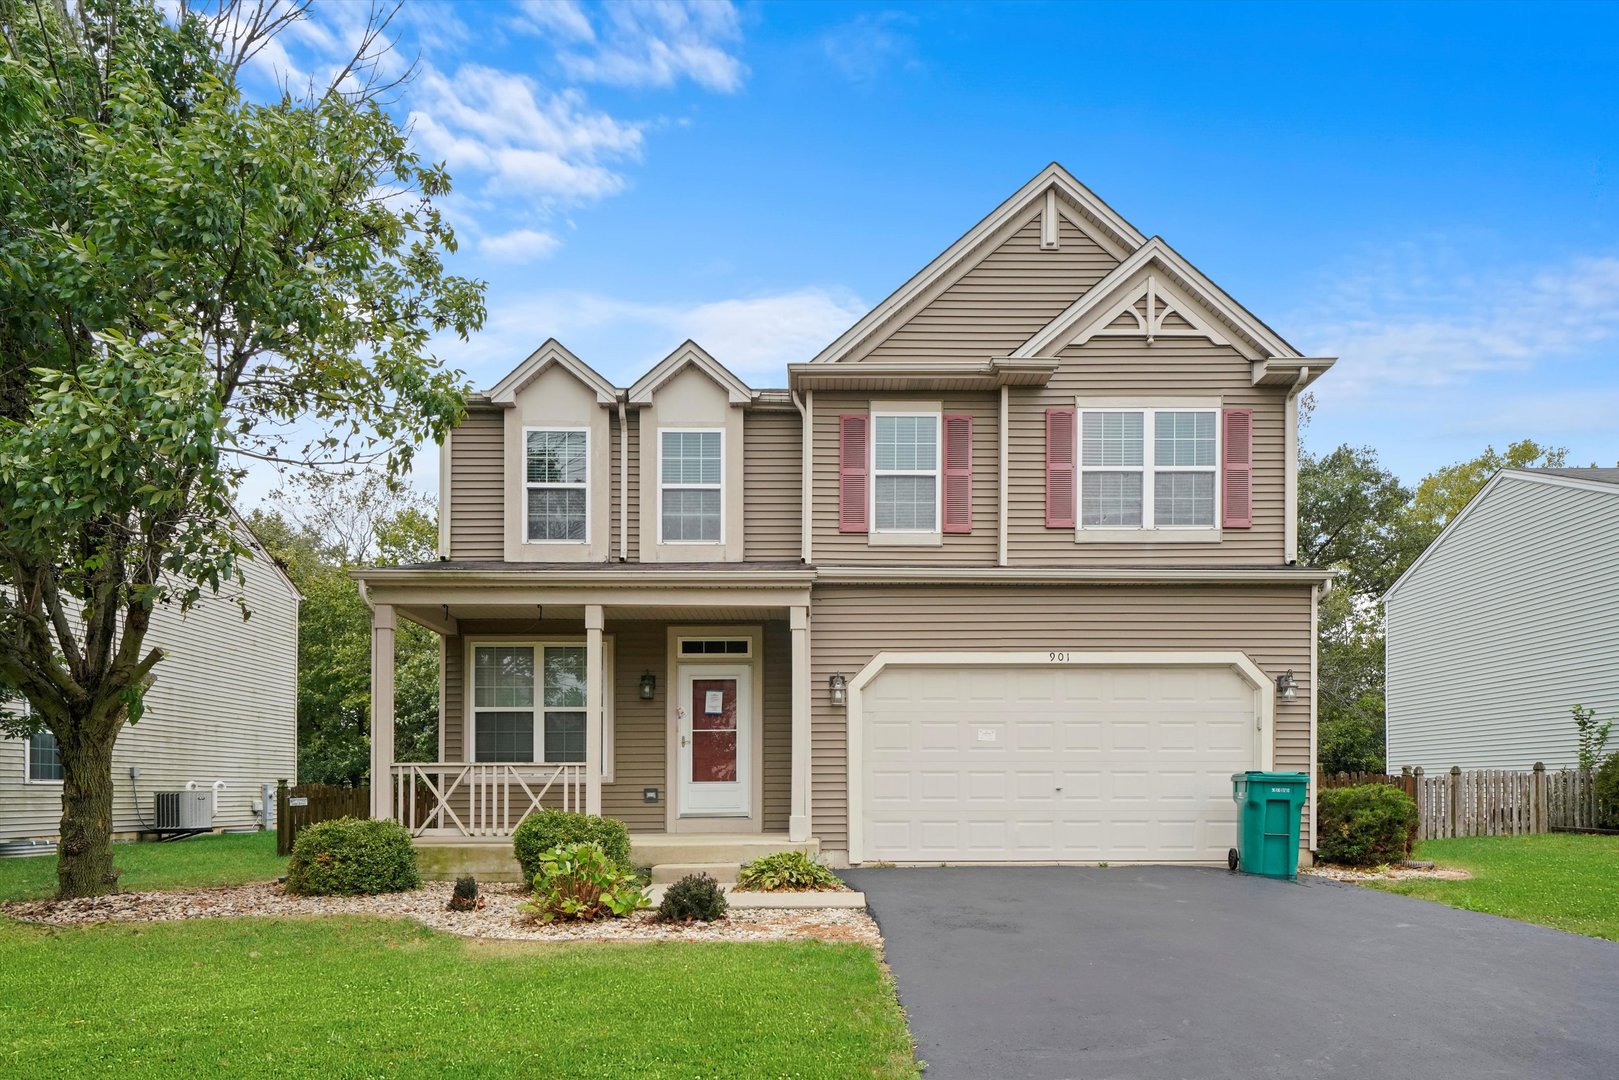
1489 802
305 804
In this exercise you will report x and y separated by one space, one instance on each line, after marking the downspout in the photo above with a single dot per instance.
444 495
623 480
1003 496
1290 497
806 472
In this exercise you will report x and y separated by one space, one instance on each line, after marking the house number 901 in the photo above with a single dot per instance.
1057 657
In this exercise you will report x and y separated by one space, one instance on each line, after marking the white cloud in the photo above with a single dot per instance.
870 45
652 43
1420 316
519 246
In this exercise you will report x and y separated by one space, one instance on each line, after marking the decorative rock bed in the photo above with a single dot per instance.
499 918
1386 873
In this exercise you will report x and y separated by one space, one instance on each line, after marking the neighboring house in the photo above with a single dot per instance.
1509 619
1005 573
224 707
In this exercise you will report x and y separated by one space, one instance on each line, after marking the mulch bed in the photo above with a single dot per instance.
498 919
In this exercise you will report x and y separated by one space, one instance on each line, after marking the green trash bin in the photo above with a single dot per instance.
1268 822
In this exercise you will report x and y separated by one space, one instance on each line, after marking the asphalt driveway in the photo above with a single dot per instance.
1048 972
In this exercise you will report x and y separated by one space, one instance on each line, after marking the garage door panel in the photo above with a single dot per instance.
1035 764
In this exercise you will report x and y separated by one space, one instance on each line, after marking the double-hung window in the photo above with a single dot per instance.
905 472
1148 469
42 763
528 698
691 486
557 471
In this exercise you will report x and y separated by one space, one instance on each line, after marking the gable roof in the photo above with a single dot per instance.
1053 188
1606 483
689 354
1108 298
552 352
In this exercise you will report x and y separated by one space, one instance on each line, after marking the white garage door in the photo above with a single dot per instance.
999 763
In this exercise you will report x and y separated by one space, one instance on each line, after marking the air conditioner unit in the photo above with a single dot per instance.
183 810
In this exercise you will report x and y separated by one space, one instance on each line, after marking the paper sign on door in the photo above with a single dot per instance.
714 702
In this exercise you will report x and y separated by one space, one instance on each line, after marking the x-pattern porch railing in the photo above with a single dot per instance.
481 798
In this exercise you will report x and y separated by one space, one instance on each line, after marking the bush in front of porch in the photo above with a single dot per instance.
353 857
546 830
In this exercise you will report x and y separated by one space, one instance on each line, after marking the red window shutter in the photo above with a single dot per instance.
853 482
958 474
1060 468
1237 469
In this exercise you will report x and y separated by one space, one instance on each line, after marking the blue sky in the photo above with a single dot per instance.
1427 192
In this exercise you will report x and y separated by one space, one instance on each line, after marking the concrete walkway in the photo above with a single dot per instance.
1052 972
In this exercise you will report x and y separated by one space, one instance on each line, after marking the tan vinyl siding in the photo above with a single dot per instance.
977 548
223 707
477 486
615 501
1000 303
777 727
632 497
853 623
1130 369
772 471
640 728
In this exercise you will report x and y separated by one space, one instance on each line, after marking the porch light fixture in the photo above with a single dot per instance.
839 688
1287 686
649 685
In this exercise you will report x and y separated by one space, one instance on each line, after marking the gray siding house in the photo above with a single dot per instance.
1509 618
222 715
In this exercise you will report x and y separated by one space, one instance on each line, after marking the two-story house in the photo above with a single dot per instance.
1006 573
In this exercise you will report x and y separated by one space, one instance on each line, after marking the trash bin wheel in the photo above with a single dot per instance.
1231 859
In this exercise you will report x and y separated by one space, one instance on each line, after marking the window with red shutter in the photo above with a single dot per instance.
1059 468
853 485
1237 469
958 474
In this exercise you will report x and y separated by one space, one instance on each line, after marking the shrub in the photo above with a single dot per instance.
1366 825
465 897
790 871
694 898
353 857
580 881
546 830
1605 782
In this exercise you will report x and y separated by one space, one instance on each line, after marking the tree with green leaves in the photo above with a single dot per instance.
188 279
321 527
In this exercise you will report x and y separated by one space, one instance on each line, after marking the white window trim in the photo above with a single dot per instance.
28 776
469 743
530 485
1148 468
719 487
933 537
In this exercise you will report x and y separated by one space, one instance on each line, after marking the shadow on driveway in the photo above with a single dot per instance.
1050 972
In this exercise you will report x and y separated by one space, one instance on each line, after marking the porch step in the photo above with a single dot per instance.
669 873
659 849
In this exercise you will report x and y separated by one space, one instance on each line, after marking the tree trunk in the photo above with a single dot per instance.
84 856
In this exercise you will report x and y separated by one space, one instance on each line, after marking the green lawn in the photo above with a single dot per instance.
204 860
1559 879
364 997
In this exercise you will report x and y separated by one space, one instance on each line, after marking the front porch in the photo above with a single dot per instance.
681 710
670 856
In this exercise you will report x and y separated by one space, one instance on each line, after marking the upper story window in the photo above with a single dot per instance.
557 477
905 472
691 486
1148 468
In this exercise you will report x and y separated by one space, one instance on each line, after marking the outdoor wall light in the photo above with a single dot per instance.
1287 686
839 688
649 685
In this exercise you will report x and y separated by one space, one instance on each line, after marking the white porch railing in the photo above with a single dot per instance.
480 798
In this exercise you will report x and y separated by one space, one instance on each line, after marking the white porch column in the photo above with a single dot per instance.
382 710
798 820
594 717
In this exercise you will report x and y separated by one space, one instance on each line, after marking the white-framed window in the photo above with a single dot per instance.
528 702
556 475
42 761
1149 468
691 486
711 647
905 472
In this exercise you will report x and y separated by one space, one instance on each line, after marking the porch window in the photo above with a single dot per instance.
691 487
905 472
520 706
557 475
1147 468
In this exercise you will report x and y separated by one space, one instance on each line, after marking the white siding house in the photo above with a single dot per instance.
224 707
1507 620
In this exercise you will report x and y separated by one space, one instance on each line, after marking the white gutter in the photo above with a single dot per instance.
922 575
1290 489
806 472
1002 498
623 482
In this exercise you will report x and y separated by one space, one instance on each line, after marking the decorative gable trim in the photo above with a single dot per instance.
1150 293
552 352
1050 192
689 354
